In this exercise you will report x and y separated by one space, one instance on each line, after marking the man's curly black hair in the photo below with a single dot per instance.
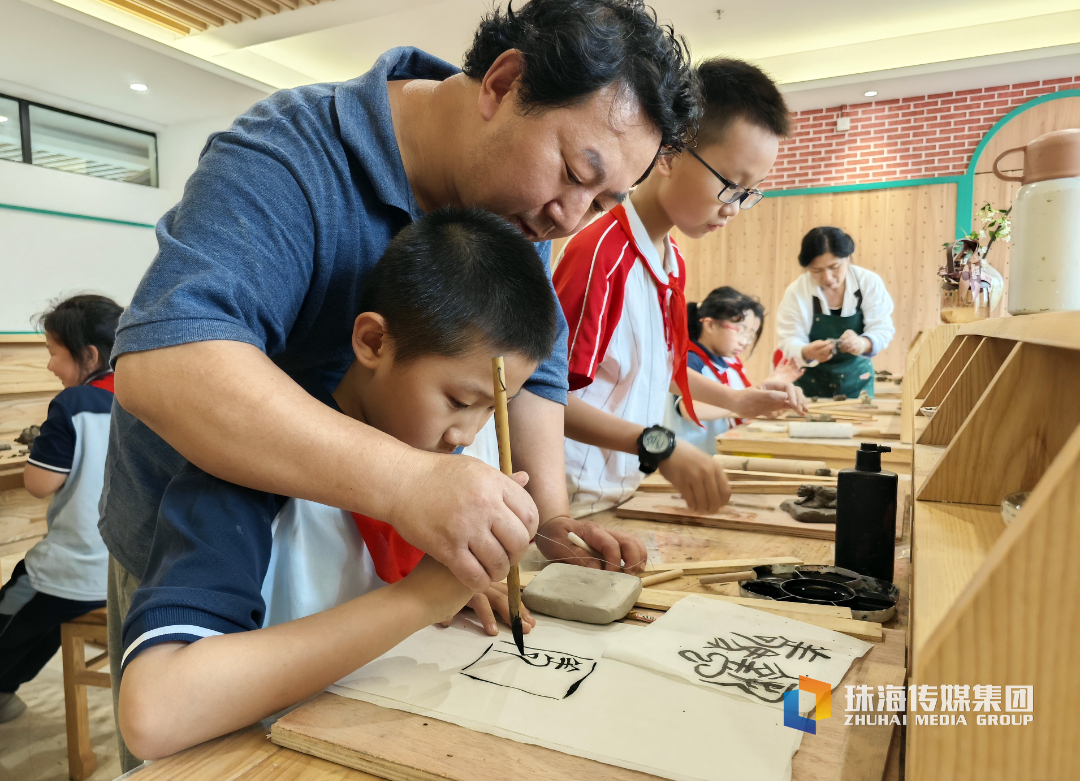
572 48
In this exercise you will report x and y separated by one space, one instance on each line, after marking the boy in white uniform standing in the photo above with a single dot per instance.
620 282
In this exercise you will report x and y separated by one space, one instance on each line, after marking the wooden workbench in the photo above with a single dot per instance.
247 755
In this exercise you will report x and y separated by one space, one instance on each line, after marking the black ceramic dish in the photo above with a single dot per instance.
870 599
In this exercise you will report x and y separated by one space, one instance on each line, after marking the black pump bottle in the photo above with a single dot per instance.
866 515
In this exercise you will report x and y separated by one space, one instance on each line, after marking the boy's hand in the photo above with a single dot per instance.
495 601
615 546
437 588
796 399
756 402
787 371
459 510
698 477
851 342
820 351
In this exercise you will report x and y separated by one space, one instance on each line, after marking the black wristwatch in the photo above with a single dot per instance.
654 445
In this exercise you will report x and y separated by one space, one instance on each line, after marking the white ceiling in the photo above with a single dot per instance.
71 64
825 53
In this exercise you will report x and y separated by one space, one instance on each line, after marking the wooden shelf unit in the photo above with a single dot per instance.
996 604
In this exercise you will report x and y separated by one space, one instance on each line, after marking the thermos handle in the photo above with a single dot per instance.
997 171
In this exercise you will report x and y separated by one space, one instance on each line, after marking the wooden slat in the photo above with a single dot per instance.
1015 430
19 410
267 5
183 7
160 14
652 507
220 9
965 392
939 366
719 566
836 454
965 349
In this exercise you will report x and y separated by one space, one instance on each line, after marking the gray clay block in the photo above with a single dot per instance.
582 594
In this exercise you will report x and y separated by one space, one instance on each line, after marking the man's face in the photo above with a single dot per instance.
438 404
743 155
551 171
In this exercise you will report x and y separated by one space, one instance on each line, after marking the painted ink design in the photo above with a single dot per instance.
754 664
539 671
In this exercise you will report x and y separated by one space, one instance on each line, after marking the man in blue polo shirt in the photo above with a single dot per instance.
561 107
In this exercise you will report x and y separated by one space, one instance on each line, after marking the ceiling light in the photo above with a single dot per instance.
139 87
3 119
870 94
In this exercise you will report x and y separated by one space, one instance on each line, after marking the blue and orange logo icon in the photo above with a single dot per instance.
822 707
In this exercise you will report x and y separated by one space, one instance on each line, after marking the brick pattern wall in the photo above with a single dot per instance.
893 140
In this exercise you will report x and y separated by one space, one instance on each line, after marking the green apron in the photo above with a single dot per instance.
842 374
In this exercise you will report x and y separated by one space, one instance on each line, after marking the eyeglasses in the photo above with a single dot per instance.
740 328
732 193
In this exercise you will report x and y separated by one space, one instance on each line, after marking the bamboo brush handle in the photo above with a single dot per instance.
506 464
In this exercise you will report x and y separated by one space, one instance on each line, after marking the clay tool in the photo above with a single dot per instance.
727 577
661 577
641 617
502 429
717 566
584 546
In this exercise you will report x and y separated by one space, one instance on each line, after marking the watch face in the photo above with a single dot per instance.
655 441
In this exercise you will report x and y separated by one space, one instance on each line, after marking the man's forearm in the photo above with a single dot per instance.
536 434
585 423
242 419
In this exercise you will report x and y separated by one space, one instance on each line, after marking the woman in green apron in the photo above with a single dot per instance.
834 318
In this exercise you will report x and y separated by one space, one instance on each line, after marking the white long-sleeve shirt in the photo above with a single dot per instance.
795 315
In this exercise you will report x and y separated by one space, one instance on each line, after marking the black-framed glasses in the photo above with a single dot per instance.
732 193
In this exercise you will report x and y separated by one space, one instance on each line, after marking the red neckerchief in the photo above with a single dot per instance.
734 363
105 382
673 308
394 558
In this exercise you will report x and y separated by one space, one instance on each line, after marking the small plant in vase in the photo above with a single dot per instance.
970 287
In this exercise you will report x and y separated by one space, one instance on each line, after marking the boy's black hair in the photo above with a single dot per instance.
572 48
83 321
460 277
732 89
724 303
825 239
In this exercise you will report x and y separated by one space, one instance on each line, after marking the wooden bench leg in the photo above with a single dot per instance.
81 758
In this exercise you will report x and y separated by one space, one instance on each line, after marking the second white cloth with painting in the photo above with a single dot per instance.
569 694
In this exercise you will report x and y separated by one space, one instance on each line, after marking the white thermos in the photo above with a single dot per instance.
1044 268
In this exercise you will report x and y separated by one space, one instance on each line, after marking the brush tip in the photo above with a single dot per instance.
519 634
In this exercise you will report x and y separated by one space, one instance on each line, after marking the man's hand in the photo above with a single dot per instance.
465 514
851 342
698 477
614 546
495 601
822 350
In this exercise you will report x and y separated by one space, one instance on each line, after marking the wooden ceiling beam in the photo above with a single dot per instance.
225 11
195 11
244 7
267 5
167 9
168 22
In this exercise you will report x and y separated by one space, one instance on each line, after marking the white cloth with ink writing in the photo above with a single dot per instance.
566 696
745 653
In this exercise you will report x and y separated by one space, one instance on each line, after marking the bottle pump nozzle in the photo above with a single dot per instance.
868 457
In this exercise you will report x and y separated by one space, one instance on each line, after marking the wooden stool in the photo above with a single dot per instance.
79 673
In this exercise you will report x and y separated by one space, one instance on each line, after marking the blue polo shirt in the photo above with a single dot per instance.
279 226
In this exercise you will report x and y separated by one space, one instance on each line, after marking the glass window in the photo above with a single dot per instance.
10 132
85 146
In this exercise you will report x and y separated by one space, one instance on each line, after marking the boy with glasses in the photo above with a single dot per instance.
620 282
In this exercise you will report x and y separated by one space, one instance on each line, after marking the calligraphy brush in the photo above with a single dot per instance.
502 429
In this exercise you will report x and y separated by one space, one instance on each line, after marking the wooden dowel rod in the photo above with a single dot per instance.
727 577
661 577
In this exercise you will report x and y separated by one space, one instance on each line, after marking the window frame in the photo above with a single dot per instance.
28 150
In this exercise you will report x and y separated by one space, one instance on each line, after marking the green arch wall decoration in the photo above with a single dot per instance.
965 183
